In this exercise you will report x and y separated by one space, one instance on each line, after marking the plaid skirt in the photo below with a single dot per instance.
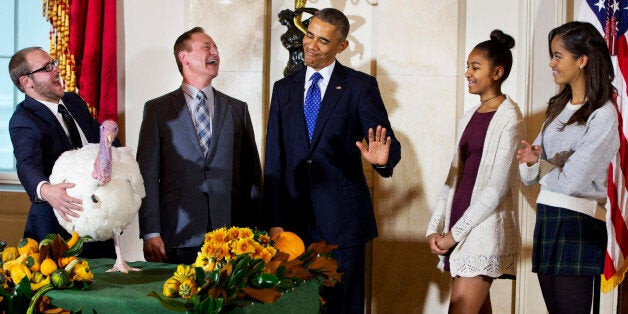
567 242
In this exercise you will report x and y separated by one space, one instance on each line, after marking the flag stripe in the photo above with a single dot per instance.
611 19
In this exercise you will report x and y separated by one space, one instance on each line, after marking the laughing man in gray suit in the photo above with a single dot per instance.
198 157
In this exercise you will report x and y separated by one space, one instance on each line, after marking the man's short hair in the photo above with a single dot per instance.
335 17
18 66
182 44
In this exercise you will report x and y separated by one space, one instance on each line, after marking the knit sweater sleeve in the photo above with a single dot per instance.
437 222
590 159
500 177
532 174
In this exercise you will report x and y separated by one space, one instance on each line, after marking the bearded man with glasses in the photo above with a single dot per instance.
40 134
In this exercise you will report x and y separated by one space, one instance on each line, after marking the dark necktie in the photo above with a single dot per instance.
312 104
203 125
75 137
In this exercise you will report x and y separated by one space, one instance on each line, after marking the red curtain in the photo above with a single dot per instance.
92 42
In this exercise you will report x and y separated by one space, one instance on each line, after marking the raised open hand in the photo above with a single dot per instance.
378 147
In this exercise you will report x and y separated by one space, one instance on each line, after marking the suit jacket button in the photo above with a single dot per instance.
309 161
206 168
205 194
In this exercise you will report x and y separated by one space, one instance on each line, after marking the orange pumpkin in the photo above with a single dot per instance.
289 243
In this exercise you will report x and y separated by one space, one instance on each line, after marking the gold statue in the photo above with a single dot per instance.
298 4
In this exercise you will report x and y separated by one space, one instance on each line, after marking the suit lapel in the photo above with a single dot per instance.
221 106
337 85
184 118
41 111
295 118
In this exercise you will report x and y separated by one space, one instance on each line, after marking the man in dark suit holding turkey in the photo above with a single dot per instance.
313 179
47 123
198 157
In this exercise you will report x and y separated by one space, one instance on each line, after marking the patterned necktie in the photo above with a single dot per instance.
312 104
203 126
75 137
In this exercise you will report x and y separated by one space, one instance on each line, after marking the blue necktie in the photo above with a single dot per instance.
203 126
312 104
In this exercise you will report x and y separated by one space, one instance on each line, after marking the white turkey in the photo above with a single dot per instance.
109 183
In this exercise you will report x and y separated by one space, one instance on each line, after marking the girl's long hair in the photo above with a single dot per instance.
581 38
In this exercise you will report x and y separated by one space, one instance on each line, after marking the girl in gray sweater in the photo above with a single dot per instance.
570 159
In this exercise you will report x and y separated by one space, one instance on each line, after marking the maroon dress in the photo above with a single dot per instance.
470 153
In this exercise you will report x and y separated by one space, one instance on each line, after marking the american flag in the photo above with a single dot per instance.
611 19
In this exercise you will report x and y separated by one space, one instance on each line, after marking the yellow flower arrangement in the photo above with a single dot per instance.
222 245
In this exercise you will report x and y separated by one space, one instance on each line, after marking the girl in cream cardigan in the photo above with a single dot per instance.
474 228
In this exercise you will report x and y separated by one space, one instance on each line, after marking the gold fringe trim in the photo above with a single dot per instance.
607 285
57 12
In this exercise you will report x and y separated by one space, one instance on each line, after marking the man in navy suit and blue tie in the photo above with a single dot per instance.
314 183
40 134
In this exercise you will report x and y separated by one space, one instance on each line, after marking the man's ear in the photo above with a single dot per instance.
182 55
26 81
343 45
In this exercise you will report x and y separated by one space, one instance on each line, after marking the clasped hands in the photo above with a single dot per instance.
378 147
441 243
57 196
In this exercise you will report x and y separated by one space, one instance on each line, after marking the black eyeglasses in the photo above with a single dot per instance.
48 67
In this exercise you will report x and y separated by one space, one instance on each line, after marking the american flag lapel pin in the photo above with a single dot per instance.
338 87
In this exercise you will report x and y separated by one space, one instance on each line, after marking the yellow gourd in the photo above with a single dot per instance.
35 262
37 277
188 288
184 273
81 272
20 260
289 243
18 272
73 239
207 264
64 261
27 246
43 282
48 266
10 253
171 288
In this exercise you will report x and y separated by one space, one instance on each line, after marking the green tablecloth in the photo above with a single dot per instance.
127 293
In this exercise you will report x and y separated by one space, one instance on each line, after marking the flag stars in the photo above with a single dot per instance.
600 5
615 6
